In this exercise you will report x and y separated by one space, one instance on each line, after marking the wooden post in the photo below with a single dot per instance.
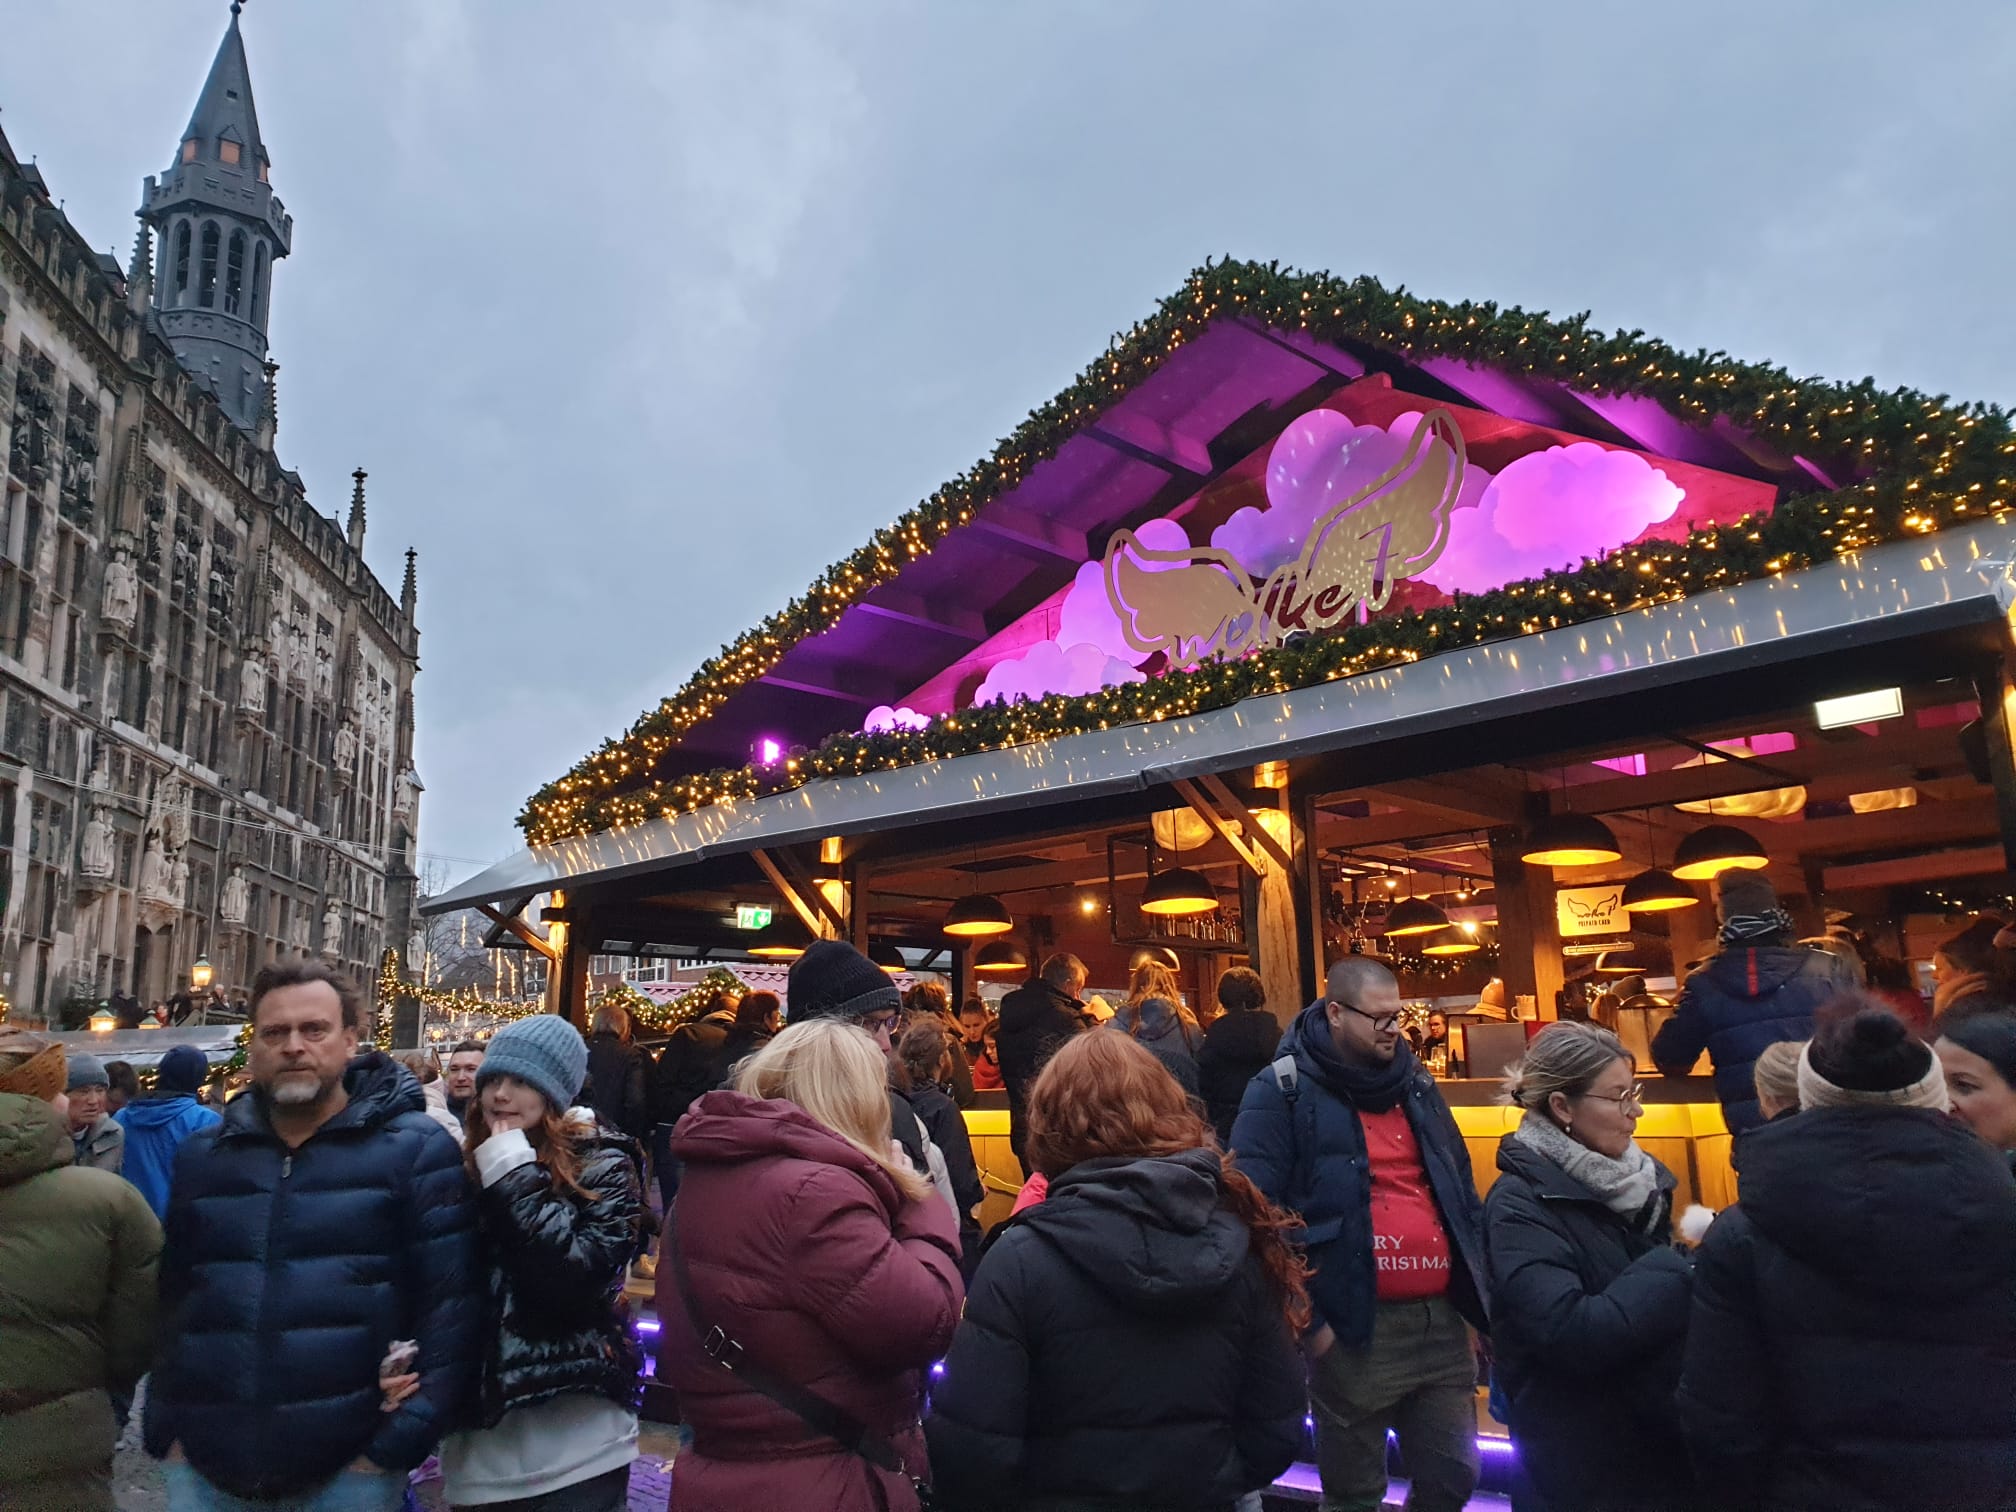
1529 936
567 977
1998 723
1309 901
1275 935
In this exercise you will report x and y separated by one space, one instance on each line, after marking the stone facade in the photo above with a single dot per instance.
206 697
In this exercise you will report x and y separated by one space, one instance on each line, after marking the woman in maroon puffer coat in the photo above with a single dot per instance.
811 1242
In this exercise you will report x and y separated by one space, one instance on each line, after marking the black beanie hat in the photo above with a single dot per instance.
1871 1050
182 1071
834 980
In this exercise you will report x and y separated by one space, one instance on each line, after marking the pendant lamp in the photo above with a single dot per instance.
1625 961
1000 957
978 914
887 956
1571 840
1718 848
1179 891
784 938
1415 916
1656 891
1458 945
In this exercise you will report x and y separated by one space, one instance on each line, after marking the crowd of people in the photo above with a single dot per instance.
359 1263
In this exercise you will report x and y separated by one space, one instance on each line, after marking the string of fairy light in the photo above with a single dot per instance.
464 1005
1920 463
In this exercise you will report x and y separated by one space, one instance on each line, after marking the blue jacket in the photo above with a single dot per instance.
286 1274
1736 1006
1309 1157
155 1128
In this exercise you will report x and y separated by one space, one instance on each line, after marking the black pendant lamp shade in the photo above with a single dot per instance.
1710 851
784 938
1415 916
887 956
1179 891
1572 840
979 914
1000 956
1656 891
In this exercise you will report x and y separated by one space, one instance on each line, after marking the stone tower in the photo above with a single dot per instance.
221 229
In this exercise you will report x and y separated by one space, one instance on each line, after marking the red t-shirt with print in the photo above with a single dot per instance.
1409 1244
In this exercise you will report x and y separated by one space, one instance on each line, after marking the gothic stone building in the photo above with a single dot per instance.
206 697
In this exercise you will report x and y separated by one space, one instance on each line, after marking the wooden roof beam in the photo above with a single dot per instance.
917 613
1028 533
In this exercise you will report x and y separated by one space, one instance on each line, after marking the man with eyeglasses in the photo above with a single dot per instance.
834 980
1348 1131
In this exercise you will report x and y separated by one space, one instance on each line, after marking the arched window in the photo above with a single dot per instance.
234 274
257 303
206 273
178 278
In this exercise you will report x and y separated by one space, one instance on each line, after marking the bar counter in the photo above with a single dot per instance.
1682 1128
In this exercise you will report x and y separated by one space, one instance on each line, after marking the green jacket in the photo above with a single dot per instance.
78 1250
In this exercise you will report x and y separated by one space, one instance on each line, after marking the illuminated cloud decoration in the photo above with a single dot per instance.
882 719
1549 510
1320 460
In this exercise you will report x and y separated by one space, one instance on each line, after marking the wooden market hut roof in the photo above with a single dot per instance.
1174 404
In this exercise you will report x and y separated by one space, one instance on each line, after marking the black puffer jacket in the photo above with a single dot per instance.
285 1275
1740 1003
1237 1047
1588 1318
1853 1342
557 1319
1120 1347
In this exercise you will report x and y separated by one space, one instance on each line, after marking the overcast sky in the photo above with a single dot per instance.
640 313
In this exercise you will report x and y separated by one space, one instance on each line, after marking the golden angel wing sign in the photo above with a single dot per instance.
1393 528
1199 607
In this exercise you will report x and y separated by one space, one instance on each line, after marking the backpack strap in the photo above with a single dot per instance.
1286 1078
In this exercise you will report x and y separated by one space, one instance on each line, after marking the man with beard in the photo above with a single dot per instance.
323 1219
1346 1130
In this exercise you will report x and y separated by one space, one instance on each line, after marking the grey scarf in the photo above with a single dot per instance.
1629 1186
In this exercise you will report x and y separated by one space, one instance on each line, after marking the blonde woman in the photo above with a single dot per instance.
804 1246
1154 1016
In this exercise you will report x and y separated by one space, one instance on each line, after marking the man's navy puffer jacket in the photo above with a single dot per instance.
286 1274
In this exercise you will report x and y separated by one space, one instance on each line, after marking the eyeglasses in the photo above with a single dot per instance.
1380 1021
1633 1095
879 1023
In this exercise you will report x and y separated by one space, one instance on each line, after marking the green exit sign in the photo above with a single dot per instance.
751 916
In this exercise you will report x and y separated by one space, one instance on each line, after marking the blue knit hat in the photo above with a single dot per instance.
543 1051
182 1071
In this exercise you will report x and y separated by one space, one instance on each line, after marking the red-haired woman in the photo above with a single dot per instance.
1128 1340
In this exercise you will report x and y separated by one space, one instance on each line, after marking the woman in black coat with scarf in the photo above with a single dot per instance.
561 1210
1589 1297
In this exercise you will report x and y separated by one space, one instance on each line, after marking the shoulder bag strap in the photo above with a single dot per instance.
817 1413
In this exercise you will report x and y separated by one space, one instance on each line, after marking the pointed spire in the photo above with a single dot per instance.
224 111
357 510
140 269
409 591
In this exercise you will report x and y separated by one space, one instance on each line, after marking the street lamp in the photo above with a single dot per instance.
201 974
104 1021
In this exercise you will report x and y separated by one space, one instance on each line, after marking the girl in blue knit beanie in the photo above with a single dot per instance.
561 1209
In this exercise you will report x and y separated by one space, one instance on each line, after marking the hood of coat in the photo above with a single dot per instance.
1158 1017
33 1139
157 1112
1758 973
1150 1232
380 1090
1888 1201
724 1126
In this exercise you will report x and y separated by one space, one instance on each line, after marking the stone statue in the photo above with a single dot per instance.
332 930
170 817
252 683
154 881
297 932
406 797
234 902
178 881
325 673
297 654
99 854
345 755
122 591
